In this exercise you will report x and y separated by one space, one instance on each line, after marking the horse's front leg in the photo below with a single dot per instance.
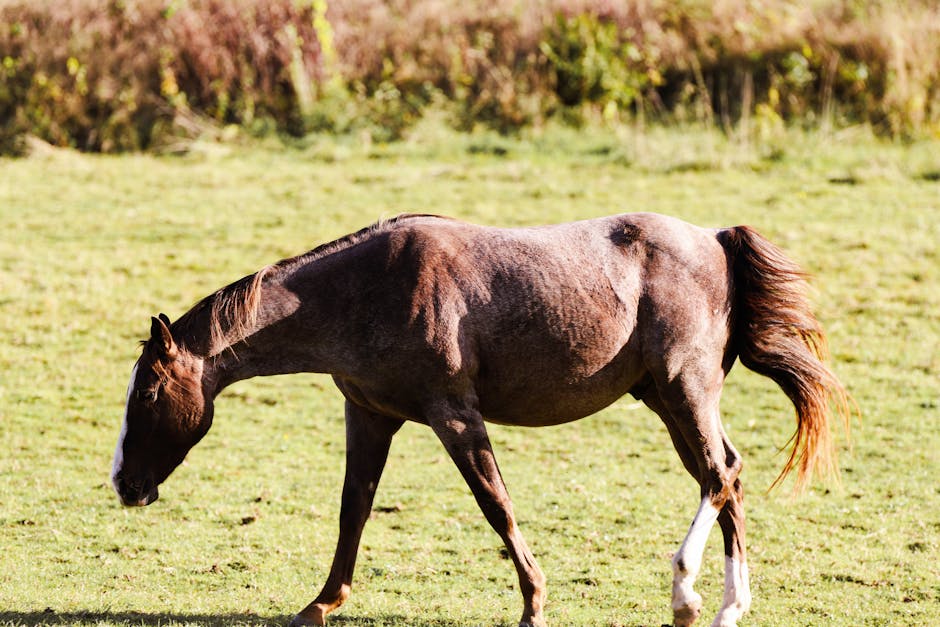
463 434
368 437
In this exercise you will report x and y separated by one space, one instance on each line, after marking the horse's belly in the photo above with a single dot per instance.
537 398
551 409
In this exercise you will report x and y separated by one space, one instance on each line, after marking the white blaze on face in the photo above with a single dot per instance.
119 451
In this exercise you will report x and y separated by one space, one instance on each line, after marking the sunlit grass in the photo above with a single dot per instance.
243 533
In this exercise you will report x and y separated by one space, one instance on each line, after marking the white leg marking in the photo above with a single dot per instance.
687 561
119 451
737 598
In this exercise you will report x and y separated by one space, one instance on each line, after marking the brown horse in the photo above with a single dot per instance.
449 324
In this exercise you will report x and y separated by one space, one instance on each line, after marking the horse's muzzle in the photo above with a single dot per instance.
140 501
135 496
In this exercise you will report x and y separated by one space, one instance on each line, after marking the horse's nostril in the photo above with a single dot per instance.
130 489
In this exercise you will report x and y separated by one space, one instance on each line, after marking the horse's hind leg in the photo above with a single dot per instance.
737 597
690 413
368 437
686 603
463 434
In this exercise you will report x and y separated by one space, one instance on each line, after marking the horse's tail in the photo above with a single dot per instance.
775 334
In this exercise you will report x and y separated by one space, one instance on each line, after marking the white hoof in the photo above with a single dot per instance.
687 609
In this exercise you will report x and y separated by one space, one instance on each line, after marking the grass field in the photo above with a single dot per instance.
92 246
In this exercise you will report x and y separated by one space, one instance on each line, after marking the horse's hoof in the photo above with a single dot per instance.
728 617
317 620
687 615
686 608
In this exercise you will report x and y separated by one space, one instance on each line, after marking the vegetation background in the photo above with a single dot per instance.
131 74
250 131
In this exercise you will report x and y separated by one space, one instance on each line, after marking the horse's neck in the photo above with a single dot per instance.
272 344
296 321
246 361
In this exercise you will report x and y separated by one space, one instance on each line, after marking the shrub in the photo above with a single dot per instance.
137 74
126 75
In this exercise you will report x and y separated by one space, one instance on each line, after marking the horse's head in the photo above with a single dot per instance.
167 413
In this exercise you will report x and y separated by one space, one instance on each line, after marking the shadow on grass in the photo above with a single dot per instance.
130 618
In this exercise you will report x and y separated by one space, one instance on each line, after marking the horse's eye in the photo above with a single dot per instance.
148 395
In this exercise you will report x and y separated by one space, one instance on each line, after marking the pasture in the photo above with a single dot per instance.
244 532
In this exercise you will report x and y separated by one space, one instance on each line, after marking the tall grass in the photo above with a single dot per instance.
128 75
132 74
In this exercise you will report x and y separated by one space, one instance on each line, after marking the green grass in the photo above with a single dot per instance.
243 534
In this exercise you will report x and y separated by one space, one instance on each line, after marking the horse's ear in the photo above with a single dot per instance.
160 333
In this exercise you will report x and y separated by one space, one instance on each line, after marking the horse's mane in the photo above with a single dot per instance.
232 311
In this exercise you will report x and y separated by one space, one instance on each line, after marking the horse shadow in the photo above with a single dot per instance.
51 618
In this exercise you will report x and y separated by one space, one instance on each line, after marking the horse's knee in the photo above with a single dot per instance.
500 519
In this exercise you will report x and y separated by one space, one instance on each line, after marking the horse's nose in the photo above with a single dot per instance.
149 497
133 494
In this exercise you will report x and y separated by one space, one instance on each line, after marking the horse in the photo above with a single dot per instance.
436 321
